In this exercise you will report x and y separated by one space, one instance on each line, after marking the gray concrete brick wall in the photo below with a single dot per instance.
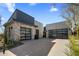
16 29
59 25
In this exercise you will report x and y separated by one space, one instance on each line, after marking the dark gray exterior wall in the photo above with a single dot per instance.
22 17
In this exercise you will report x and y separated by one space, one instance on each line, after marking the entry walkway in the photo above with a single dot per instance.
7 53
60 48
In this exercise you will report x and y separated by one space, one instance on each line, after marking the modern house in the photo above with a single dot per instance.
22 26
57 30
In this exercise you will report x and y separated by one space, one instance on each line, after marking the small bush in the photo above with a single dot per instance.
12 43
74 44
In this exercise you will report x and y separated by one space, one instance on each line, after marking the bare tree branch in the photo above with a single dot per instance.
71 14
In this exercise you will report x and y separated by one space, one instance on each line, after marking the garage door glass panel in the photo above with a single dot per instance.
25 33
58 33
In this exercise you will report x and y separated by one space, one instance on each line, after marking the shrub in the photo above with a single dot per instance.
12 43
74 44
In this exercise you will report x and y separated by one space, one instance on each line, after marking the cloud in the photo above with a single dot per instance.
3 20
53 9
9 6
32 4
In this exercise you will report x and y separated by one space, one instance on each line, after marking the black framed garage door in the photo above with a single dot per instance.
25 33
58 33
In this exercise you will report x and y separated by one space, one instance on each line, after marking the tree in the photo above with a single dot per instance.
3 35
71 14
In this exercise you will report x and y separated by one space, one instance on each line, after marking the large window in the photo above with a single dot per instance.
25 33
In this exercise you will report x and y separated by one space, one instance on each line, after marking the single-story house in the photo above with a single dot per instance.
22 26
57 30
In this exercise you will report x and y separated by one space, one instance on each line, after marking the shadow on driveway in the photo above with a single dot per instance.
39 47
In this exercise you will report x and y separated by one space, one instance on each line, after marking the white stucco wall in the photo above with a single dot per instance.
40 27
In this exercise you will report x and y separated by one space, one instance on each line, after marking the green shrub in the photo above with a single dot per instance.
74 44
12 43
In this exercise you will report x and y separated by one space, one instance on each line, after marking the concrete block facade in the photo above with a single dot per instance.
20 20
55 26
15 32
14 24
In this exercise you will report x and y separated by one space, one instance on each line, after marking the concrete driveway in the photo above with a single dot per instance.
40 47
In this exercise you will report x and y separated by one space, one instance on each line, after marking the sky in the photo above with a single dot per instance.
45 13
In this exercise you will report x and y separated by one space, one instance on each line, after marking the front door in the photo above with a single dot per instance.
37 34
